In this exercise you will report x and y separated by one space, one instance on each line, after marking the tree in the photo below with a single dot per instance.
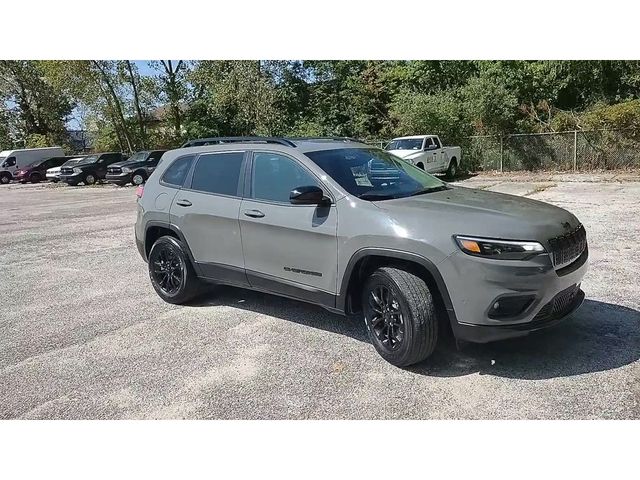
173 90
39 108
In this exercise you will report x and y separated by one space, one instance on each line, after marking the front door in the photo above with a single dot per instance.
288 249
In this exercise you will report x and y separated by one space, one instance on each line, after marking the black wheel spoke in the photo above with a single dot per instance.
385 316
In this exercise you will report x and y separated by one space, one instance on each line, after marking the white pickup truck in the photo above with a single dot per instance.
427 152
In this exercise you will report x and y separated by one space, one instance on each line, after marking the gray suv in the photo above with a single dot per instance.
356 230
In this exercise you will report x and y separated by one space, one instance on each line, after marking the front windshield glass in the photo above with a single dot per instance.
89 159
73 161
373 174
138 157
405 144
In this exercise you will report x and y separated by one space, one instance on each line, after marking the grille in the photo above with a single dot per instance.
568 247
66 171
559 306
114 170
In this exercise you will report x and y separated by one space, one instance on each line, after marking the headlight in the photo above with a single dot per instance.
498 249
126 170
77 171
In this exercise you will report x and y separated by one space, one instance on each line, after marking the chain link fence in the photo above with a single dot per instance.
563 151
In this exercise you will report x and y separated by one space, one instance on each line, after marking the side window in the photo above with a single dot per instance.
154 156
218 173
274 176
10 162
177 171
436 142
428 142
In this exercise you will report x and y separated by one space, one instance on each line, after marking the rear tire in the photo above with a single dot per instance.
171 272
402 324
452 171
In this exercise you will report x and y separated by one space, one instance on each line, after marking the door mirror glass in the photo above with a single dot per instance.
432 147
307 195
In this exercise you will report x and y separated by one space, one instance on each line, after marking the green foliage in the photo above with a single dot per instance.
33 105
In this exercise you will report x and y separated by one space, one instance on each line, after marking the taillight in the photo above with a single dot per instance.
139 191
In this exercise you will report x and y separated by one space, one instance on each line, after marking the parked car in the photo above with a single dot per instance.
53 174
426 152
37 171
91 169
311 220
11 161
136 169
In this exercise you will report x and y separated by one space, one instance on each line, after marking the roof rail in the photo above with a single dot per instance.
335 139
251 139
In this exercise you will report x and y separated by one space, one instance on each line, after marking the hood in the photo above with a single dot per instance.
467 211
405 153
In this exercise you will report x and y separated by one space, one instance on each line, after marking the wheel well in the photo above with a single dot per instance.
141 171
454 159
420 165
367 265
153 234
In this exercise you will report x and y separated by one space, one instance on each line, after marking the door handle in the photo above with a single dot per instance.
183 203
254 213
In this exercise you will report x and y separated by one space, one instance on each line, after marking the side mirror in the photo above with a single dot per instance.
431 147
308 195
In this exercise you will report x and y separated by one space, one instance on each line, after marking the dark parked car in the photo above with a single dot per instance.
91 169
136 169
37 171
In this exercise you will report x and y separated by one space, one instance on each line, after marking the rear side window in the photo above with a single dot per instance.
436 142
218 173
177 172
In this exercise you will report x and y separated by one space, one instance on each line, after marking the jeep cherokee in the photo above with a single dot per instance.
352 228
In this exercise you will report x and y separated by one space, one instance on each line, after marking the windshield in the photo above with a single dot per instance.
405 144
89 159
138 157
372 174
73 161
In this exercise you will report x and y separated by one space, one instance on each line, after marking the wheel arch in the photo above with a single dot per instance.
154 230
365 261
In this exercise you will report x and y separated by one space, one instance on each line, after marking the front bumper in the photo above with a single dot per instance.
475 284
75 178
119 178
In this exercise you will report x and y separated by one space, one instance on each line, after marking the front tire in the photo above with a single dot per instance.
5 178
400 316
89 179
138 178
35 178
171 272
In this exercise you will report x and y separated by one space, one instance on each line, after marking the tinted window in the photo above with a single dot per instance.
9 162
155 155
178 170
405 144
436 142
274 176
218 173
428 142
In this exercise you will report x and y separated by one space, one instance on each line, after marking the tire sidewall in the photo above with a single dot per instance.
392 356
5 179
86 179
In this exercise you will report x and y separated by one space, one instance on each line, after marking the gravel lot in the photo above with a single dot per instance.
83 334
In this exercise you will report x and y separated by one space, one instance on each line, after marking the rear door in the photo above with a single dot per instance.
206 211
288 249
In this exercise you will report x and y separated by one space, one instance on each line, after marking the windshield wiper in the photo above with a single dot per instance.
429 190
376 196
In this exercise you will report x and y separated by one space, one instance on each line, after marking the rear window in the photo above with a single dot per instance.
177 172
218 173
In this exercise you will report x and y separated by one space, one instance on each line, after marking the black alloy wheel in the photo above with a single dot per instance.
168 270
387 321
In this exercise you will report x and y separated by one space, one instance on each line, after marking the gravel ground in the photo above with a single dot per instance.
83 334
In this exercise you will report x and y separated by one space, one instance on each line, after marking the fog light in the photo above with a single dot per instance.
510 306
